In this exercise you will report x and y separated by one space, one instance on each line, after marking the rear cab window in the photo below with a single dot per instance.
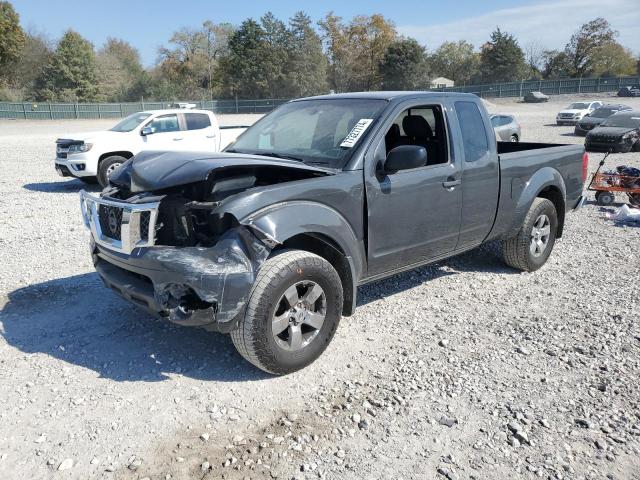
474 135
197 121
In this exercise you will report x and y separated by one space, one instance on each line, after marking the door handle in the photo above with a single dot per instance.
451 183
211 136
178 138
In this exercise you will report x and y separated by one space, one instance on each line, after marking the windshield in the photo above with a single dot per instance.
579 106
313 131
604 112
131 122
626 121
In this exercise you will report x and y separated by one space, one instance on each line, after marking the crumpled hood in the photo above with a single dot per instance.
609 131
152 171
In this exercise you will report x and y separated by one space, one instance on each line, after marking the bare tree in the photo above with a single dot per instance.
534 57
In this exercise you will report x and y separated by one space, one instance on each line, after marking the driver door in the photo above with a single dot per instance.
413 215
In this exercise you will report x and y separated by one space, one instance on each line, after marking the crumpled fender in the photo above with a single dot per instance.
282 221
543 178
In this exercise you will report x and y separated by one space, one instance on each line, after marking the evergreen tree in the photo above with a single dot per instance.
307 68
70 74
404 66
502 59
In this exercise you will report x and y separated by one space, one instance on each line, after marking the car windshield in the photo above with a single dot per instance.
312 131
626 121
578 106
604 112
130 122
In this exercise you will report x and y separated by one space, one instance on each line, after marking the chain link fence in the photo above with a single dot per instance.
548 87
57 111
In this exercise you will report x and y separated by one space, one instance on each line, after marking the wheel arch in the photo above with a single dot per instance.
319 229
123 153
545 183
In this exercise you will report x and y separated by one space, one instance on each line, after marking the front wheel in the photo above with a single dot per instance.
531 247
513 139
107 167
292 314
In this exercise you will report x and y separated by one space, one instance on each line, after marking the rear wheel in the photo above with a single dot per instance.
292 314
531 247
107 167
605 198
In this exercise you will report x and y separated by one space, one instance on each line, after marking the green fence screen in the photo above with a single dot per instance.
57 111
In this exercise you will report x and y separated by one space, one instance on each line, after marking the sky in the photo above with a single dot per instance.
149 24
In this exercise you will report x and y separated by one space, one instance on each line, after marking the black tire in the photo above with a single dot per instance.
254 338
88 180
516 251
514 138
605 199
106 166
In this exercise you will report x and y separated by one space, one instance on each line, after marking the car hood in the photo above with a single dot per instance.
592 121
151 171
610 131
573 112
92 137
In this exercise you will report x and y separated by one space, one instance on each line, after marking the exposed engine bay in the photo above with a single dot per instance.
201 261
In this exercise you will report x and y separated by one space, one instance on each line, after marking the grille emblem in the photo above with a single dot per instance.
113 221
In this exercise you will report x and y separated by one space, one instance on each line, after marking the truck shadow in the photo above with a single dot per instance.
63 186
481 259
77 320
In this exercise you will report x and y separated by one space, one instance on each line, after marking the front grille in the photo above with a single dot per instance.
145 218
110 221
586 127
566 115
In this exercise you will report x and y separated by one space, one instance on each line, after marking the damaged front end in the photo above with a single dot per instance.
175 251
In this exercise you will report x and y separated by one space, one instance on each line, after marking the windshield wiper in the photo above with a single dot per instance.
279 155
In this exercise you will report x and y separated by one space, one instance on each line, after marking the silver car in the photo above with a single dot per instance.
506 127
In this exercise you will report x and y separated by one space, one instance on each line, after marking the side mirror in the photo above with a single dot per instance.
147 131
405 157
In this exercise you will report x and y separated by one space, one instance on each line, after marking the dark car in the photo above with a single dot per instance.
536 97
618 133
632 91
592 120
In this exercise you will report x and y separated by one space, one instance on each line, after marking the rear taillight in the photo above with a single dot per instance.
585 165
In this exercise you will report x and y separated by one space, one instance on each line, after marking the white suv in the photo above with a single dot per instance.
94 156
576 112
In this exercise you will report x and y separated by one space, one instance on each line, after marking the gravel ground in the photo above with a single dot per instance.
463 369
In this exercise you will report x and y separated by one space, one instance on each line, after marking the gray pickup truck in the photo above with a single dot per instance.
269 240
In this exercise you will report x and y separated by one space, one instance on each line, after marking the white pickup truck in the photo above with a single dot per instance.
94 156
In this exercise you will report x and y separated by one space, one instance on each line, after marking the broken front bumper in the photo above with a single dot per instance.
194 286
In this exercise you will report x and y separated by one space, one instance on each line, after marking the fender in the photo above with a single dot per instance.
543 178
281 221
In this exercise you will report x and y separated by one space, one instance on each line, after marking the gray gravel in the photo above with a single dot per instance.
463 369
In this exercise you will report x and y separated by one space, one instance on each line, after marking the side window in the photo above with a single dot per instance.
165 123
197 121
422 126
474 136
505 120
495 121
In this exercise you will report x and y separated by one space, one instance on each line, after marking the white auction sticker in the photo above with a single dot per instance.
356 132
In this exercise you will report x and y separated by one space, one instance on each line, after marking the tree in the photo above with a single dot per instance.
35 55
12 38
120 72
355 50
556 64
502 59
307 63
613 60
455 60
404 66
70 74
216 46
534 58
582 49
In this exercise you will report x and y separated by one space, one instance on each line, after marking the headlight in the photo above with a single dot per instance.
626 137
81 148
